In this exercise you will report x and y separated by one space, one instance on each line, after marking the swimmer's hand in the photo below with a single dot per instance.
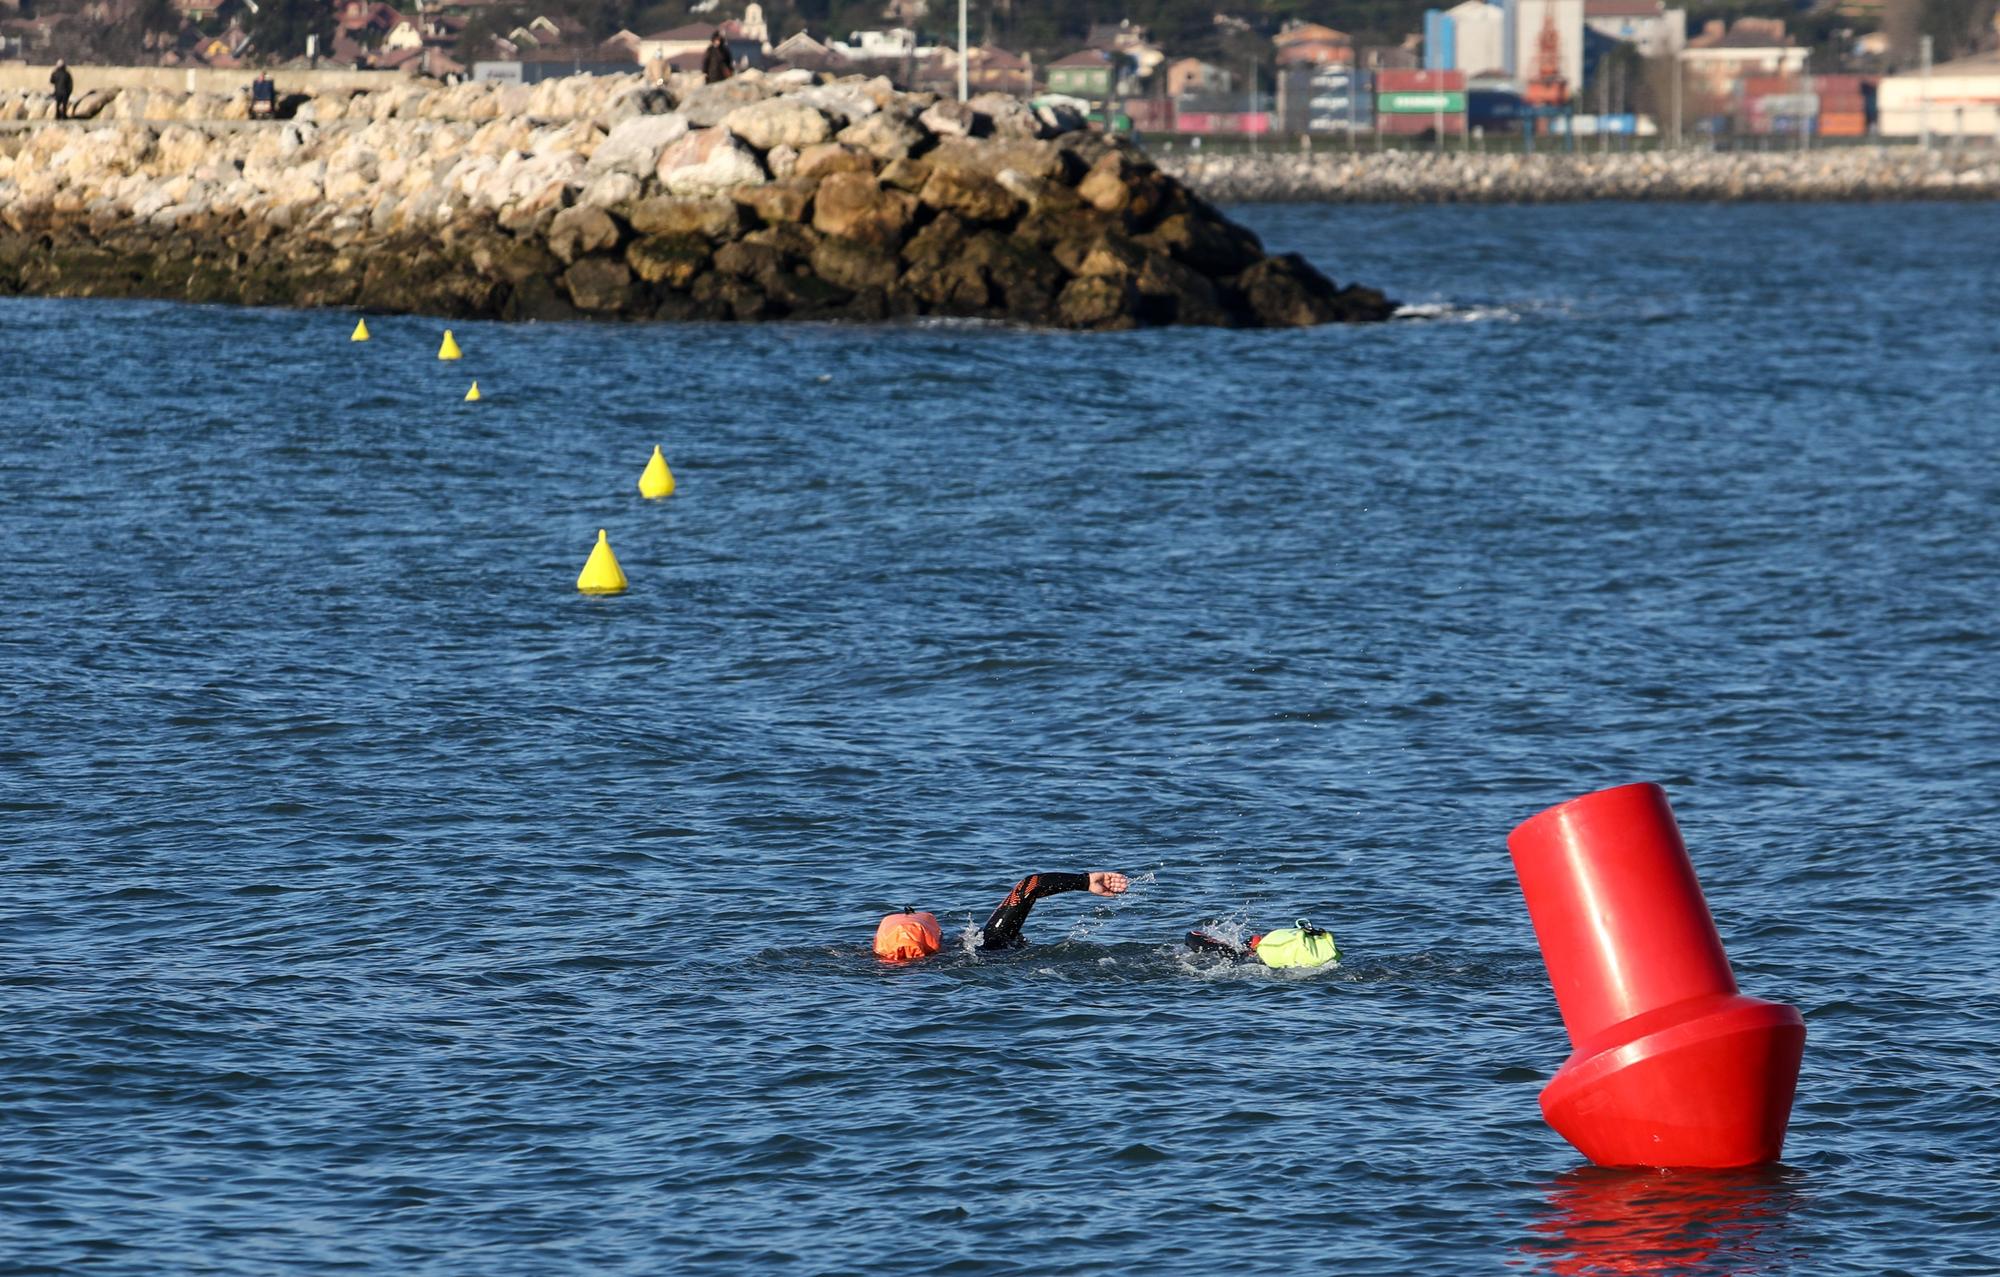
1106 883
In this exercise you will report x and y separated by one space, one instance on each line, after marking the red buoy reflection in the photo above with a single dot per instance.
1730 1223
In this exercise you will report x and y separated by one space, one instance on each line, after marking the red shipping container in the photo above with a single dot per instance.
1418 125
1841 104
1408 81
1763 86
1846 124
1825 85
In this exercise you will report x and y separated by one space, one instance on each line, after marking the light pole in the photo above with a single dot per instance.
1924 53
1677 99
962 94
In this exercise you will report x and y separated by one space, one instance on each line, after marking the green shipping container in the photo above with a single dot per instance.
1421 102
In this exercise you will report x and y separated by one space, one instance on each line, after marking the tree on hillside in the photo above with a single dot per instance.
157 17
279 28
1956 27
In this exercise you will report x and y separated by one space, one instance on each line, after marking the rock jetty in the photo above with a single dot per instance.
1428 177
762 197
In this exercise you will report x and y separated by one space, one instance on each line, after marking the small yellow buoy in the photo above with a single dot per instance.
360 330
449 350
602 575
472 395
657 481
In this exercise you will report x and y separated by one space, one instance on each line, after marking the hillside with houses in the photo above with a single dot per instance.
1291 67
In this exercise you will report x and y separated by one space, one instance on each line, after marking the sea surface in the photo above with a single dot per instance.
372 902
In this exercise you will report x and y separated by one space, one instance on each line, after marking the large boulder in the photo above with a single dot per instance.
580 230
973 197
855 206
1008 115
638 100
1122 186
710 104
1206 241
777 122
610 190
715 219
795 241
601 284
852 265
995 156
906 175
1098 302
845 104
1286 292
779 202
886 135
761 262
673 261
634 145
707 162
954 119
1175 293
832 157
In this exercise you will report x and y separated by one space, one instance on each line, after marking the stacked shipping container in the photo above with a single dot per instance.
1831 105
1409 103
1843 105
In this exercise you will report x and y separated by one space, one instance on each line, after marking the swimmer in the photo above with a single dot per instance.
909 935
1299 945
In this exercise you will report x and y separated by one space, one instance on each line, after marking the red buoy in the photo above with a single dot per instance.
1672 1066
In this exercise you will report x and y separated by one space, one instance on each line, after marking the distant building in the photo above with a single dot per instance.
621 42
1716 61
1647 25
1131 42
991 69
1470 37
1961 98
1380 57
1310 44
894 45
671 43
801 50
1084 74
1192 75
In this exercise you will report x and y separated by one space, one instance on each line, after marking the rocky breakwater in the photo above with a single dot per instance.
761 197
1428 177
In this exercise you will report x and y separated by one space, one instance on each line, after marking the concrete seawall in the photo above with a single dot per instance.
1422 177
19 78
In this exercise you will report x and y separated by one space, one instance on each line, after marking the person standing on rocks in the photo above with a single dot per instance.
60 84
715 64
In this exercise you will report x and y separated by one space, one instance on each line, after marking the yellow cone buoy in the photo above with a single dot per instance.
360 330
602 575
449 350
472 395
658 481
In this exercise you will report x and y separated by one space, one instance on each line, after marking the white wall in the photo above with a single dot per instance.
1968 102
1479 37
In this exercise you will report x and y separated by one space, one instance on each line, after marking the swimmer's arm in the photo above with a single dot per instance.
1003 929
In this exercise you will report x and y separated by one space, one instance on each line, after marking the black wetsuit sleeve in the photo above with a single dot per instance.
1003 929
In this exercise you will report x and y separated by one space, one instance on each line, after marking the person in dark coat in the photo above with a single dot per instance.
263 96
715 64
61 83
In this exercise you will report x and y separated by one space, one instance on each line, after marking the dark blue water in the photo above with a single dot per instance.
372 902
